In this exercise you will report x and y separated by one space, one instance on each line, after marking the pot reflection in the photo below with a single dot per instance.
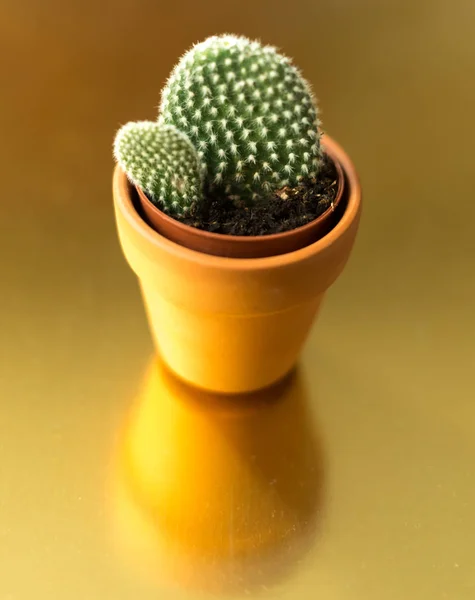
218 492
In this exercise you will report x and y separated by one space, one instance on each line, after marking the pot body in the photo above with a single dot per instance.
227 352
233 325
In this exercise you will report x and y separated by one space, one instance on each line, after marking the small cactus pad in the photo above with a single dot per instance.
163 162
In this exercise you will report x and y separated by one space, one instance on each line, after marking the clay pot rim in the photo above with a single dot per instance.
352 209
242 240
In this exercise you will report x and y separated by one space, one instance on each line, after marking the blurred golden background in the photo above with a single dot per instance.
388 372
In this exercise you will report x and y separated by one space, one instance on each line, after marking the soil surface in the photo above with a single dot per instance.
288 208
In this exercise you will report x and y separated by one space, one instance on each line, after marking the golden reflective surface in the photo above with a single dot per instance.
221 494
354 479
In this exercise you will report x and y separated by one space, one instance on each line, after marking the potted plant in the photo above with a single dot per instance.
236 213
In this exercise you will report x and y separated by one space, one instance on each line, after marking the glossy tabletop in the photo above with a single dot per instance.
353 479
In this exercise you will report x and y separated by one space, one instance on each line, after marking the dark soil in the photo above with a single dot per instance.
287 209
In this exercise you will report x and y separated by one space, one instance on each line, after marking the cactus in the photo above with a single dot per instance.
163 162
249 113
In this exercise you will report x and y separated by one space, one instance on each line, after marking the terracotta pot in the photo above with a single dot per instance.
235 246
233 325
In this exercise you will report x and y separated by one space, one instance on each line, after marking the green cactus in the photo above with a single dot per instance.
163 162
250 114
